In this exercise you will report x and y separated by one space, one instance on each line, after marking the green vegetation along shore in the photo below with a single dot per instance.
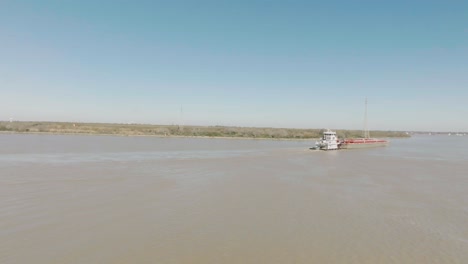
174 130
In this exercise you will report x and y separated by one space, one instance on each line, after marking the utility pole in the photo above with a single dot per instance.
366 132
181 125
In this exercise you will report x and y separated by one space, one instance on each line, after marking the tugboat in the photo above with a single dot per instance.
329 141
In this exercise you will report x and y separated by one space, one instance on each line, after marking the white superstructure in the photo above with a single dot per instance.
329 141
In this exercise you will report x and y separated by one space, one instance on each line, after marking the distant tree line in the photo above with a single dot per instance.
188 131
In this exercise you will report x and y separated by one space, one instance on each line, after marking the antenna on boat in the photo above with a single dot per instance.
366 132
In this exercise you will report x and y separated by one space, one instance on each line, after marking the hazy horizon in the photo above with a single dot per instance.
300 64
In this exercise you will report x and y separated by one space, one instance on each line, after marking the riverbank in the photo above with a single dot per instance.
179 131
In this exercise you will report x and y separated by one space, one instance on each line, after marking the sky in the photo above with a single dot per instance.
297 64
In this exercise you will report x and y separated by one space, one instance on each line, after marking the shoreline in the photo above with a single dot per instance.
157 136
176 131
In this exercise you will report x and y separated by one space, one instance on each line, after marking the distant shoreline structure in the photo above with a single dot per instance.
176 131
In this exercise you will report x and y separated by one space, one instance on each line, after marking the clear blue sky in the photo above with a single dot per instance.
307 64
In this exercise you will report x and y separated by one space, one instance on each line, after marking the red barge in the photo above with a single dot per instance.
354 143
331 142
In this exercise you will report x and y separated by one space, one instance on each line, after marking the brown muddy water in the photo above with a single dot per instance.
102 199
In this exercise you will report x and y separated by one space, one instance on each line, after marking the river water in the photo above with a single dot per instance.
103 199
